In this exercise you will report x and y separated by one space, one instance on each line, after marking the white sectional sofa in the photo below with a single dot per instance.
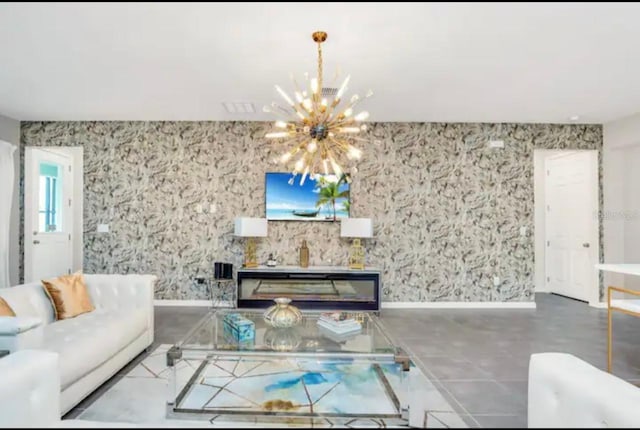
567 392
92 347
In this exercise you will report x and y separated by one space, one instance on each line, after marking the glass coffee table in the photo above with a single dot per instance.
302 374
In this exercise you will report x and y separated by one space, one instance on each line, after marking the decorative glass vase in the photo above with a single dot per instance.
282 314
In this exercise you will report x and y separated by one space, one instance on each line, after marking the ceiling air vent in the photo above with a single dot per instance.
239 107
329 92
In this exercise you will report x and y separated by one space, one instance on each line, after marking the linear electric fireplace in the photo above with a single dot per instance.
321 288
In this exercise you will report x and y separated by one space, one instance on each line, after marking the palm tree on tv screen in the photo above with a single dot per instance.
330 192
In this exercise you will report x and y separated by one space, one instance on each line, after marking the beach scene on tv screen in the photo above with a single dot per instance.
322 198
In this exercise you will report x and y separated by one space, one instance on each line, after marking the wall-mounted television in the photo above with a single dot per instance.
322 198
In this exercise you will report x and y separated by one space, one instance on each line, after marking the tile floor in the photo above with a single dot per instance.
477 357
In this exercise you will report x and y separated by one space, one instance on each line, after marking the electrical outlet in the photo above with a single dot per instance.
523 230
496 281
199 208
496 144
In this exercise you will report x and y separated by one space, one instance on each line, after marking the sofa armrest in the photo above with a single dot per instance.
11 326
30 389
565 391
18 333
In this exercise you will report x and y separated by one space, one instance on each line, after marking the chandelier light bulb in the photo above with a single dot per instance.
343 87
284 96
336 167
349 130
312 146
321 129
276 135
304 175
307 104
354 152
361 116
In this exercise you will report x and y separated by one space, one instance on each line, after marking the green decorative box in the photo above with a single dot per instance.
238 328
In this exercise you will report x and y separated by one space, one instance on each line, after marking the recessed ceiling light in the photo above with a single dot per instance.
574 118
239 107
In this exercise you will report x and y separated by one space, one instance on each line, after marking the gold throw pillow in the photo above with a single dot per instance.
68 295
5 309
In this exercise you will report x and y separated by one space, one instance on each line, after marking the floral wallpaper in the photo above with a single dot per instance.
447 209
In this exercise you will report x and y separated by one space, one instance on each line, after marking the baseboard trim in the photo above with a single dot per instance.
458 305
599 305
390 305
182 302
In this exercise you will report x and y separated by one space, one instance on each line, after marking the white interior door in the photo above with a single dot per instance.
571 224
48 214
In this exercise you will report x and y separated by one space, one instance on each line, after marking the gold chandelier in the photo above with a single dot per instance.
319 136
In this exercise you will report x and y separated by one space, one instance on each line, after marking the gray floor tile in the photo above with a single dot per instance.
486 397
447 368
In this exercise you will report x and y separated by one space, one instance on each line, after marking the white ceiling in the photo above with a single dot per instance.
425 62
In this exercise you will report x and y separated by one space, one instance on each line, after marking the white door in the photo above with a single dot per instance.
571 224
48 217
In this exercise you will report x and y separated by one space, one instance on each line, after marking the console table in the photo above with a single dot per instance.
314 287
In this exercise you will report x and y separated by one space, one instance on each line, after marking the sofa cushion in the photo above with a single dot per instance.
90 339
29 300
5 309
68 295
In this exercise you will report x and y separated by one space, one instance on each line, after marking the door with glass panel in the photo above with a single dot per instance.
48 186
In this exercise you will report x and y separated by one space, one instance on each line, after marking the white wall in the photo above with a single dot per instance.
631 218
621 206
10 132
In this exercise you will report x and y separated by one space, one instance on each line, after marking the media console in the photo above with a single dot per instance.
315 287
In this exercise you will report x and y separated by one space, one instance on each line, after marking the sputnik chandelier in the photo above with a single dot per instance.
320 137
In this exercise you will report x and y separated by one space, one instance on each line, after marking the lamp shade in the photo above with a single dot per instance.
356 227
251 227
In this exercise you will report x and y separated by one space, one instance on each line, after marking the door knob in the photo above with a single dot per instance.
586 245
35 242
35 232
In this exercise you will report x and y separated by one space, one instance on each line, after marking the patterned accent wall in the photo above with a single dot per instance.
447 209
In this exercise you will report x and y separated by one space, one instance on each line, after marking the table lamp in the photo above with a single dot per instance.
250 228
356 228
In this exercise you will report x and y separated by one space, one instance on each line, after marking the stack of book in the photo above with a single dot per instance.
339 323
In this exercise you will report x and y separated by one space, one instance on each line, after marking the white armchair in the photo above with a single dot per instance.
30 389
567 392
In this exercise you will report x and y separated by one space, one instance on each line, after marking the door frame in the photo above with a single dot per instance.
77 195
540 218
